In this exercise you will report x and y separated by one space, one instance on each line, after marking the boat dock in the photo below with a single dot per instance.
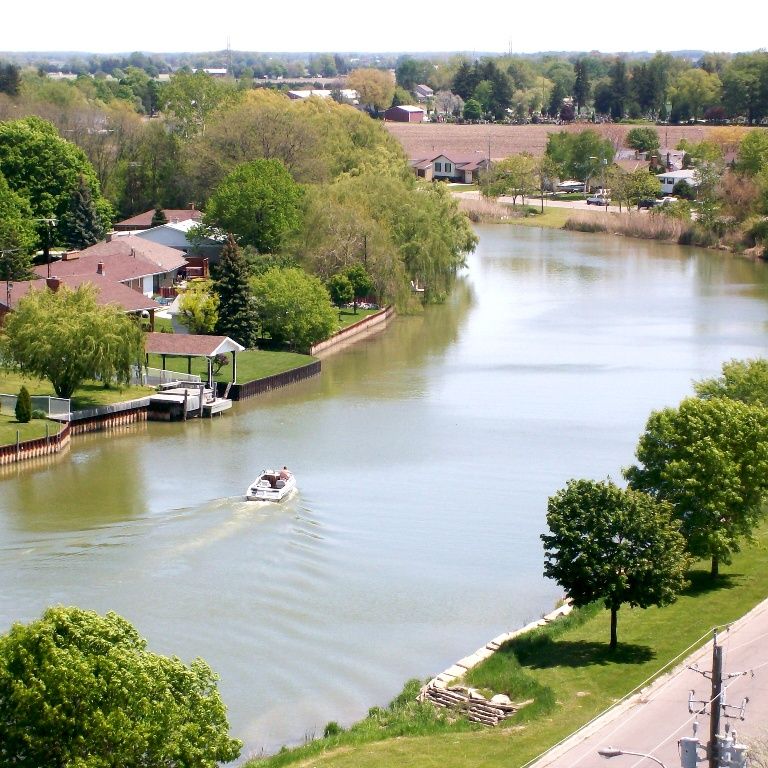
179 401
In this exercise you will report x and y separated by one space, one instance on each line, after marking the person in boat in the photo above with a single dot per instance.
284 473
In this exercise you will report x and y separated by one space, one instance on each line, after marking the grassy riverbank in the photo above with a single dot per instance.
29 431
566 669
251 364
89 395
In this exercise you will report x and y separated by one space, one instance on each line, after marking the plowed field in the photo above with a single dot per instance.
424 139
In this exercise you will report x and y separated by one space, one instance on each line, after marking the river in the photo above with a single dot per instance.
424 456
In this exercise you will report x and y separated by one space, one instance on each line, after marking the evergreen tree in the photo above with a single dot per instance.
237 314
23 406
581 87
10 79
619 88
81 225
158 217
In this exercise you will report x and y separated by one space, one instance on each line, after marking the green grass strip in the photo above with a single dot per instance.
566 670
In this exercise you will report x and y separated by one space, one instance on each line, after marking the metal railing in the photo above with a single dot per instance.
154 377
51 406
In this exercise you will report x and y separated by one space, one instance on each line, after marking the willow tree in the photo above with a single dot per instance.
65 336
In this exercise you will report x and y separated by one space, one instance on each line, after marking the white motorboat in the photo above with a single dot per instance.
271 485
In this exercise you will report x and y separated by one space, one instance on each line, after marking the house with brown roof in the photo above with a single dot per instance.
107 292
457 168
141 265
144 220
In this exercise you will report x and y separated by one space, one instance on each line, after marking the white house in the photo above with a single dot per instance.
670 178
174 235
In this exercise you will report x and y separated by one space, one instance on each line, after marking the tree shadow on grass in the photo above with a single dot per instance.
702 582
542 653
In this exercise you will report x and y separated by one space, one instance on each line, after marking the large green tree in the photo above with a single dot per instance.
514 176
236 310
81 689
17 234
643 139
578 155
190 98
45 169
709 460
613 544
294 307
65 336
259 202
744 380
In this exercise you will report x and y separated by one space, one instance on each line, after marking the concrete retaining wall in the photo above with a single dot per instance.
365 325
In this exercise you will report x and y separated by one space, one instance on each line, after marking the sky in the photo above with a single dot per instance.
519 26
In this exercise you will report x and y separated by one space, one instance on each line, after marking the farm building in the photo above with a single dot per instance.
405 113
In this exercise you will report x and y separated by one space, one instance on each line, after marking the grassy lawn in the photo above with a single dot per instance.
29 431
552 218
252 364
89 395
568 671
347 317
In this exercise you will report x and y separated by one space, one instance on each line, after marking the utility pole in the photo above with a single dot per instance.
715 703
722 749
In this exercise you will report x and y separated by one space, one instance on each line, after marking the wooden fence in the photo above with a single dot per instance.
268 383
30 449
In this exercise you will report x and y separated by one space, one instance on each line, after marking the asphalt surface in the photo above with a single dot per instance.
551 202
653 721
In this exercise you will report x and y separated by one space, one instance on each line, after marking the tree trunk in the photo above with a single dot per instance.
714 571
614 621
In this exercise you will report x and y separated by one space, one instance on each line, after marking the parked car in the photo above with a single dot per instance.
597 200
648 202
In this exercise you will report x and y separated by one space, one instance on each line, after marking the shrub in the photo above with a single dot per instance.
38 413
23 406
332 729
757 232
684 190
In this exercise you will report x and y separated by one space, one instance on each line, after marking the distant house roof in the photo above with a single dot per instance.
107 291
144 220
462 161
164 258
408 108
122 259
190 344
423 90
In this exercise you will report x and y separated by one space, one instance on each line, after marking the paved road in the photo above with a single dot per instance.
654 720
550 202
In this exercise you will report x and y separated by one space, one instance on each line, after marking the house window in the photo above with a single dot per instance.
438 167
447 167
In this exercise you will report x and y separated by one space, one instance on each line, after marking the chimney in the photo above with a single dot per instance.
191 206
53 283
100 268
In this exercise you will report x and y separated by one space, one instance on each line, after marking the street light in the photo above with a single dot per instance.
615 752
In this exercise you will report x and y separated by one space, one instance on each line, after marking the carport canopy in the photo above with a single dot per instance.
191 345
